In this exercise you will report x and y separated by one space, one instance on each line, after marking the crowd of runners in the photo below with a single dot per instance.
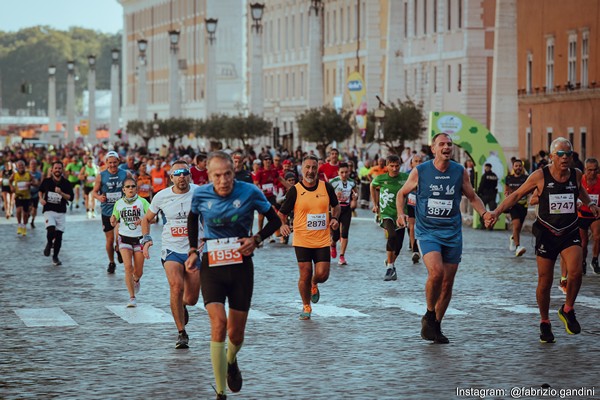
205 205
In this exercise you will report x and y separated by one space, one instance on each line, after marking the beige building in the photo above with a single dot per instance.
558 74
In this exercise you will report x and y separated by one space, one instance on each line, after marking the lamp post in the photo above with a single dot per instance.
70 101
211 76
114 94
256 88
142 89
51 98
92 99
174 95
315 55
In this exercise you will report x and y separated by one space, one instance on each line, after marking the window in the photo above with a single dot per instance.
425 16
301 30
348 24
278 35
293 32
459 86
334 18
449 78
572 60
460 13
355 24
301 83
287 85
585 43
435 79
415 81
549 64
529 72
293 84
416 6
405 19
406 81
549 137
435 5
449 15
582 143
571 137
342 37
287 37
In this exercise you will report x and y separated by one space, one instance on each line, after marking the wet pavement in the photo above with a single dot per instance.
66 334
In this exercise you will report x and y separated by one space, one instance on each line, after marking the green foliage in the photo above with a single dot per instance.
403 121
174 129
246 128
142 129
323 126
26 55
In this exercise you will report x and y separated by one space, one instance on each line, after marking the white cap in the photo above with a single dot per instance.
112 154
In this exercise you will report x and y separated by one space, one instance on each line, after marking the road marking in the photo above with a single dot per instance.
253 313
323 310
518 309
54 316
414 306
142 314
588 301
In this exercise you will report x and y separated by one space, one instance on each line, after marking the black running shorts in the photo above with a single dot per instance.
106 226
548 245
232 282
518 211
305 254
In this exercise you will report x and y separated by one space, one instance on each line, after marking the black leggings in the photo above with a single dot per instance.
344 220
52 235
394 236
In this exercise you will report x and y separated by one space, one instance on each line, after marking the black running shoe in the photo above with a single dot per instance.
186 316
595 266
182 341
584 268
234 377
546 335
439 335
428 327
221 396
111 268
55 261
571 325
390 275
47 249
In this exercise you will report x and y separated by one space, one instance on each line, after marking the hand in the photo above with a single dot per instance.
113 220
595 210
375 209
402 220
190 263
58 191
285 230
248 245
146 248
42 201
334 224
103 198
490 219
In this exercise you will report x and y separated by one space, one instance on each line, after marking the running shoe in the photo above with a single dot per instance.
562 285
520 251
47 249
439 335
89 215
416 257
272 239
136 286
571 325
511 244
24 230
182 341
546 335
342 260
93 214
595 266
584 267
55 261
18 231
186 315
428 327
390 274
314 293
32 225
111 267
221 396
333 251
234 377
306 310
132 303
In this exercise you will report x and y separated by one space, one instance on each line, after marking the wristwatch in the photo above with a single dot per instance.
145 239
193 250
257 239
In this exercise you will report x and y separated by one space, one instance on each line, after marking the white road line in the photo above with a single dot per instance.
55 316
413 306
142 314
253 314
324 310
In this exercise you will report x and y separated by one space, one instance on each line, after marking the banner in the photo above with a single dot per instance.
358 97
84 128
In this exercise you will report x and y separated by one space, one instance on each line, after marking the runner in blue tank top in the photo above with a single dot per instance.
556 231
439 185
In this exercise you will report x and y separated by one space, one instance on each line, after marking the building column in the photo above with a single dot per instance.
315 56
70 102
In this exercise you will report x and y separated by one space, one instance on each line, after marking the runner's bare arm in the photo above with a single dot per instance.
410 185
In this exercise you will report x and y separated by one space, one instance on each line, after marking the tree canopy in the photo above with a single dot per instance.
323 126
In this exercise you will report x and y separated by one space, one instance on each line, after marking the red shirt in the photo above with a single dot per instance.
199 176
267 179
329 171
594 192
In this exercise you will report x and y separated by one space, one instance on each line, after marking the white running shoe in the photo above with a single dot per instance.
136 286
520 250
132 303
512 246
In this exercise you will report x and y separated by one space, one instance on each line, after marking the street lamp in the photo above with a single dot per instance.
142 96
92 97
70 101
211 76
256 88
174 94
115 103
316 5
51 98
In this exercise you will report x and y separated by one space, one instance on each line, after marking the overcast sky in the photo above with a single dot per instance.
100 15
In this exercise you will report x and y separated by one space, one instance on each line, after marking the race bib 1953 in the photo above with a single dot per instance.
223 252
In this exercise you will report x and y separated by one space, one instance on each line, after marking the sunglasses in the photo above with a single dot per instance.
130 186
180 172
562 153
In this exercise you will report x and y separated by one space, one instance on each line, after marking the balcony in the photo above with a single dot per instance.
568 91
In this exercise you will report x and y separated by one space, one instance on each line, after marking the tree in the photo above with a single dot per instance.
246 128
173 129
403 121
145 130
323 126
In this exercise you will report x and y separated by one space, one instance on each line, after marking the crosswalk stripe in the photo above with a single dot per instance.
53 316
253 314
325 310
142 314
414 306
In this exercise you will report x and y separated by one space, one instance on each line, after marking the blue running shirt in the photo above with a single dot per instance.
438 204
112 187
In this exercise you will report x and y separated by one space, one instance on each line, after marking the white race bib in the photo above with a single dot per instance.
22 185
91 179
223 252
179 230
267 188
438 208
594 198
412 199
53 197
113 197
5 181
158 181
316 222
562 203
